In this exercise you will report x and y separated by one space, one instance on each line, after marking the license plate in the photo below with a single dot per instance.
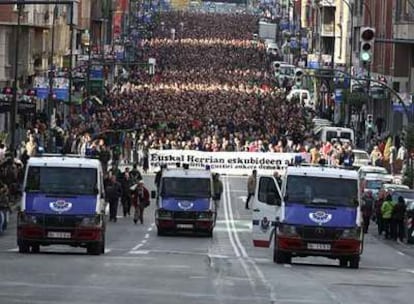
185 226
314 246
59 235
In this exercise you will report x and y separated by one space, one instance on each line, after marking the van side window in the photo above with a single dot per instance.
33 179
267 185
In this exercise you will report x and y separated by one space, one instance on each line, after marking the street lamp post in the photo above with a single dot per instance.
13 110
51 105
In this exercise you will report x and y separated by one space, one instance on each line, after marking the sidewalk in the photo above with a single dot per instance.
402 248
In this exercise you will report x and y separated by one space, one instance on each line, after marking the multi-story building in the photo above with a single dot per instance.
328 24
34 35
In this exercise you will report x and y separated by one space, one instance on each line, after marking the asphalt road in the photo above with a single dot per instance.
140 267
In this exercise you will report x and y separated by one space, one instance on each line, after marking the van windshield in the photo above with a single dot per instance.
317 190
61 180
185 187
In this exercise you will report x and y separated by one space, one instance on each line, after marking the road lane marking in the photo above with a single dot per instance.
260 274
137 247
226 215
146 235
138 252
401 253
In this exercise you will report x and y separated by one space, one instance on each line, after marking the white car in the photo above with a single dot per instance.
364 170
361 158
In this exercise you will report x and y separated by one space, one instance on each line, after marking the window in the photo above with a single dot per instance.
65 181
267 186
186 187
321 190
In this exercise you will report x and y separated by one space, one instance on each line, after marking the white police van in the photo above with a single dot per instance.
185 201
316 212
63 202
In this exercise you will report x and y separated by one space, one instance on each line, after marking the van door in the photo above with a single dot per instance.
266 209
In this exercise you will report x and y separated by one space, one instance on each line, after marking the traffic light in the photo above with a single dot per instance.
367 40
298 78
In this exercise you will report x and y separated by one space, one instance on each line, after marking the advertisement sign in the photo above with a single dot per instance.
119 51
61 88
41 85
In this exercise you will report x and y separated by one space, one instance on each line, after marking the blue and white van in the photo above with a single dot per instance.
185 201
315 212
63 202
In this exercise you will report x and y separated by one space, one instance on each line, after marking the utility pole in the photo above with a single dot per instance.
13 110
72 33
51 105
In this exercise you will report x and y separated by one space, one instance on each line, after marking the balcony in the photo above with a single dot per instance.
403 25
327 3
327 30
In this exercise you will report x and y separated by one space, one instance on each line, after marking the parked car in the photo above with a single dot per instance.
364 170
373 182
361 158
392 187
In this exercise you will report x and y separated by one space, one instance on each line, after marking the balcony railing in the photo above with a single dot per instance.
405 18
327 30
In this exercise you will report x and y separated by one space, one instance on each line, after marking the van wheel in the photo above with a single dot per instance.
210 233
160 232
278 256
35 248
103 243
354 262
23 247
94 249
343 262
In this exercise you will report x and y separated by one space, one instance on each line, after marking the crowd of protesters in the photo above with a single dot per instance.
211 91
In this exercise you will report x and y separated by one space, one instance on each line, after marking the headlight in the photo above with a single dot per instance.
28 219
90 221
287 230
352 233
205 215
164 213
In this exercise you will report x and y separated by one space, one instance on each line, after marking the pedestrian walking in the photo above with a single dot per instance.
113 193
126 183
217 189
378 213
251 187
397 220
135 174
386 211
140 200
366 209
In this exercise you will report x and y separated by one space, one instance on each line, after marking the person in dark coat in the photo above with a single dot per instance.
366 209
126 183
135 174
140 200
397 220
113 193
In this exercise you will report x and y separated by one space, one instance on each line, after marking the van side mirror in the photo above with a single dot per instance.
153 194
